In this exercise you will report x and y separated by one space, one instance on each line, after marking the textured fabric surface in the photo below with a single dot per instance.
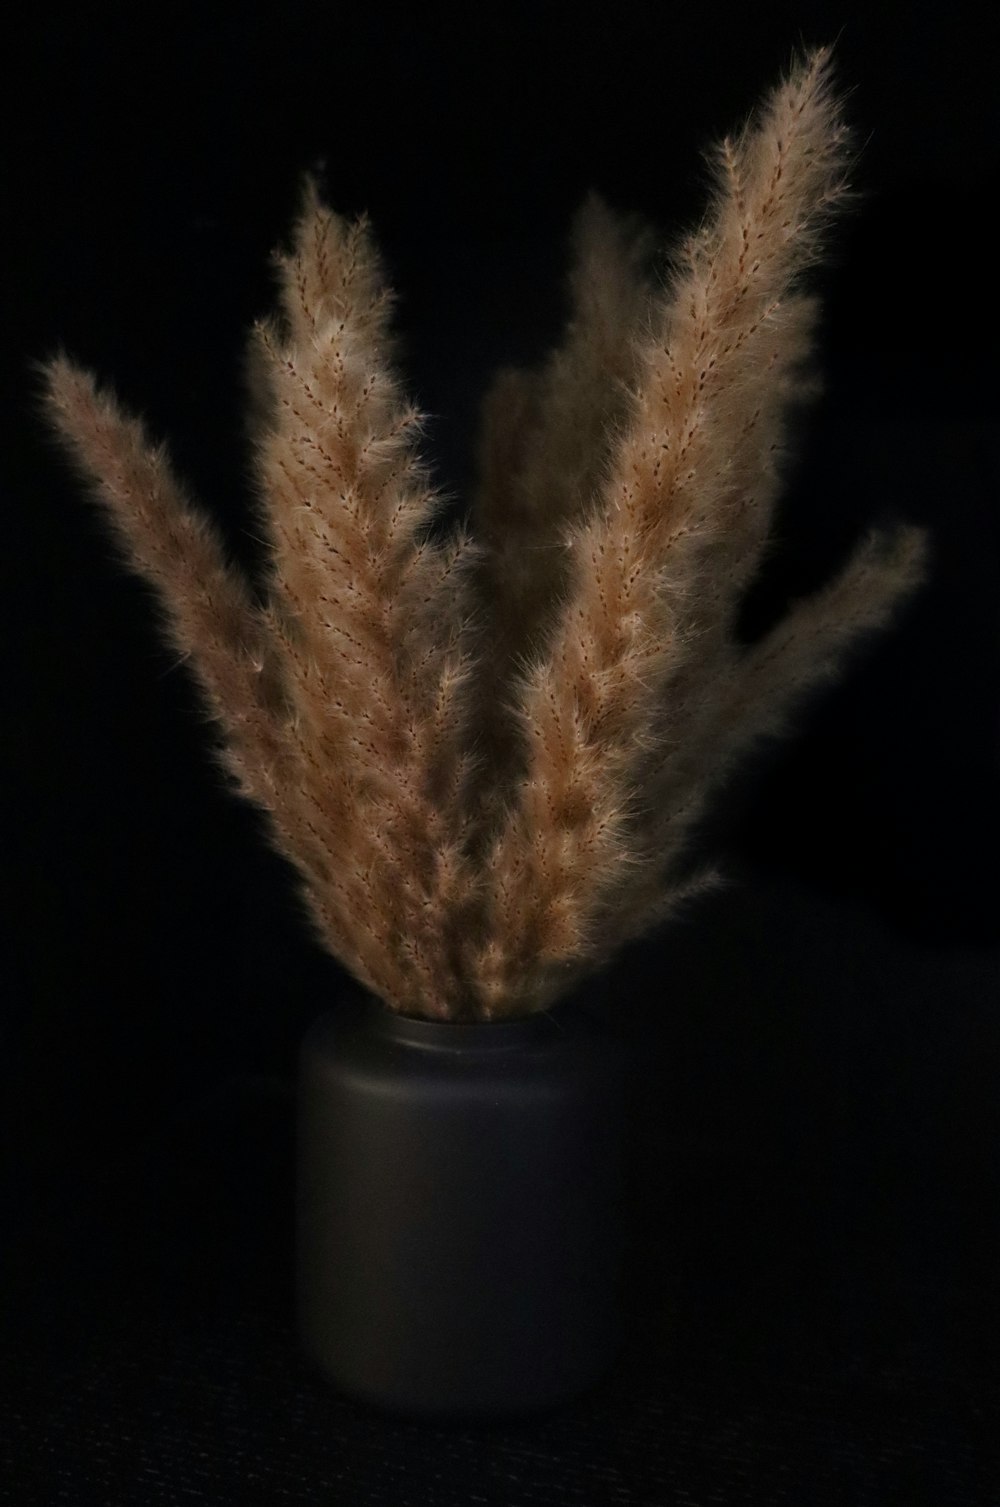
147 1411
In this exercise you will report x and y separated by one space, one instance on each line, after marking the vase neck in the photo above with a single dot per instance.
450 1035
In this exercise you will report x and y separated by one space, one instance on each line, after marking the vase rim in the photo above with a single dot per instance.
423 1031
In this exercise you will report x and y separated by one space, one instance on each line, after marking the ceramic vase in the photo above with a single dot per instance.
461 1208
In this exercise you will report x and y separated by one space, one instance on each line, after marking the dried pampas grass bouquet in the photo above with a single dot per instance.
485 752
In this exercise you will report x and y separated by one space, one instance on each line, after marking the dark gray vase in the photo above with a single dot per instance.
461 1209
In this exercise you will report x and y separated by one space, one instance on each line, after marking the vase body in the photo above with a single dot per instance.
461 1208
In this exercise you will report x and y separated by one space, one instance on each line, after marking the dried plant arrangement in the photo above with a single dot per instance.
485 750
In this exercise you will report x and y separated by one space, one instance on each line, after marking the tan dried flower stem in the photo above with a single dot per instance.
372 646
543 448
681 479
486 754
210 614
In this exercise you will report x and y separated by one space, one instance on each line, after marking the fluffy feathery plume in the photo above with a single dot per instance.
658 567
544 444
486 752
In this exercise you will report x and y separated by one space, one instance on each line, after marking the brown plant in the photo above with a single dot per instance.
486 752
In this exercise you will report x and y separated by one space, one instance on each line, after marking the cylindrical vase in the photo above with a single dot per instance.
461 1208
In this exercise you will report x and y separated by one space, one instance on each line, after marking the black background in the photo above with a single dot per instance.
820 1042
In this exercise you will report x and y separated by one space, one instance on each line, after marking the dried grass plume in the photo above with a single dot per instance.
485 752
